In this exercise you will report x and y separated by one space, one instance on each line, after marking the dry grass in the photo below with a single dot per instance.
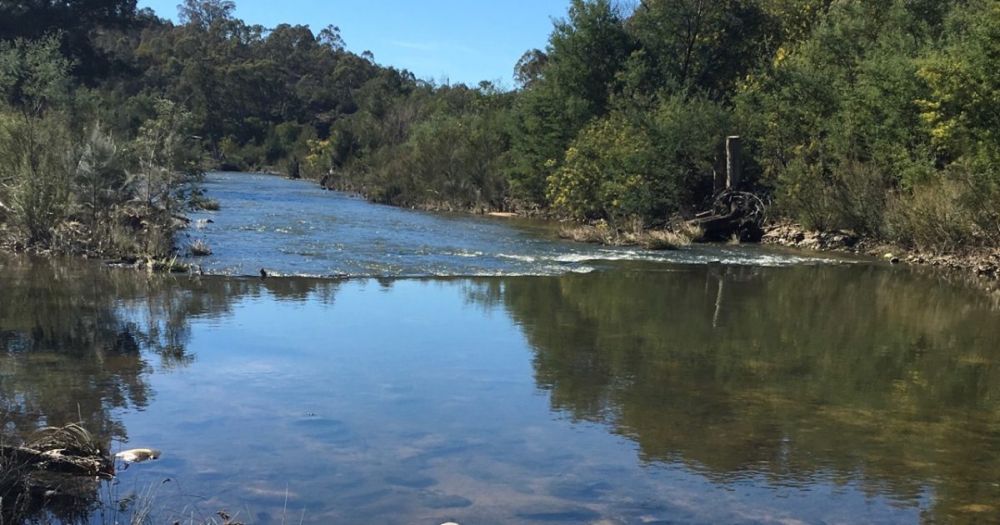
210 205
200 248
692 231
931 218
72 438
200 202
678 235
663 240
69 459
171 265
599 233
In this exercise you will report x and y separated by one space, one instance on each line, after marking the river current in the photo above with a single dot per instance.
296 228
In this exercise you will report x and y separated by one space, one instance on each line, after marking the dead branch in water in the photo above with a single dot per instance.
70 450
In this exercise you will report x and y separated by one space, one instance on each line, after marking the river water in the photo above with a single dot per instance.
541 382
296 228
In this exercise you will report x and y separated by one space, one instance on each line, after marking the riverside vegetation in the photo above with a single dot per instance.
68 184
878 117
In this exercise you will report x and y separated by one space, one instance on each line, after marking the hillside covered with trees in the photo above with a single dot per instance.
879 116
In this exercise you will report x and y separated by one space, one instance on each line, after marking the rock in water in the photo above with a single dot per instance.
138 455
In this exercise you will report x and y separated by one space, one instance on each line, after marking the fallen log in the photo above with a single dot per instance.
60 461
67 450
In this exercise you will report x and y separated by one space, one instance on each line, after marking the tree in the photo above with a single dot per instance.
963 108
33 144
205 13
530 68
703 45
573 85
606 173
33 76
330 37
76 21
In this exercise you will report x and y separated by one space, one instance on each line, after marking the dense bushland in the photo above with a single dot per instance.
67 183
876 116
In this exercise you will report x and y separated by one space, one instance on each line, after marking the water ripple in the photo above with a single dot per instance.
329 234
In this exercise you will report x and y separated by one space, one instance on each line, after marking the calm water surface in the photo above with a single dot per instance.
645 391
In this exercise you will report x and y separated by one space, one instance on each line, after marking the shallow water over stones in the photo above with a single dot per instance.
296 228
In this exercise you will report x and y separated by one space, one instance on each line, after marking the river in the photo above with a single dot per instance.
296 228
481 371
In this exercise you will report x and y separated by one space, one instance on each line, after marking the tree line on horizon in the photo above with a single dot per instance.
877 116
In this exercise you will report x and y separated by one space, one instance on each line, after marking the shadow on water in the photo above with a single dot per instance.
798 377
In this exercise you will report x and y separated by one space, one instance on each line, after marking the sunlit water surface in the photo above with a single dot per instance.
641 392
296 228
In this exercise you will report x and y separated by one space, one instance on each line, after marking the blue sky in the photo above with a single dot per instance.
458 40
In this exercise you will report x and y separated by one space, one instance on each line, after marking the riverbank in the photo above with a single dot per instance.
983 263
598 232
650 239
135 242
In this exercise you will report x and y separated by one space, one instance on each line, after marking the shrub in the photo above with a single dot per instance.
931 216
606 174
847 195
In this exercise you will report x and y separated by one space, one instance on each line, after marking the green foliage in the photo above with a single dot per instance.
645 167
33 76
433 147
963 107
851 111
165 160
850 119
74 24
606 173
570 86
689 134
65 183
699 45
34 177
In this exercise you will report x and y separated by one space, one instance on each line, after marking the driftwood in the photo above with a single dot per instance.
69 450
60 461
56 471
734 213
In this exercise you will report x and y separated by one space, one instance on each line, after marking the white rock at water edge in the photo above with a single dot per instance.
138 455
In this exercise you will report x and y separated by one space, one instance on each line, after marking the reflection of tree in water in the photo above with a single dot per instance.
70 351
837 373
77 342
